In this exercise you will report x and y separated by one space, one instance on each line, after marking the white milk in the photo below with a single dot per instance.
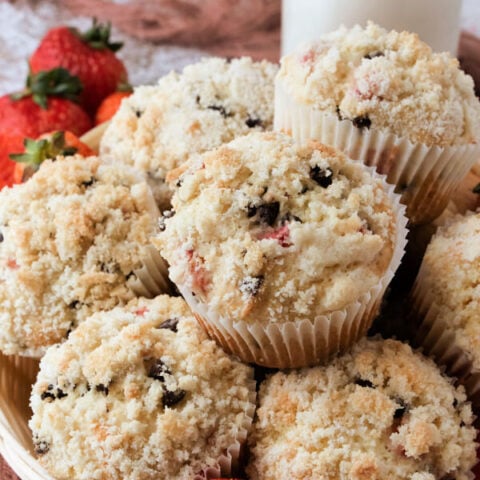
436 21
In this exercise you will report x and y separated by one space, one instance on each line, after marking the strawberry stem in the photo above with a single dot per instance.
37 151
56 82
98 37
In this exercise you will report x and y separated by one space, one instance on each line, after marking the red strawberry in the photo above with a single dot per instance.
109 106
36 110
90 56
48 145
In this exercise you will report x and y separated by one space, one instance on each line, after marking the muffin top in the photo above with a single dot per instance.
209 103
70 238
139 392
387 81
381 411
266 231
450 276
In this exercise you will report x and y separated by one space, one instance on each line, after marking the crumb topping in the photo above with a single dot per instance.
450 274
388 81
71 238
381 411
208 104
139 400
266 231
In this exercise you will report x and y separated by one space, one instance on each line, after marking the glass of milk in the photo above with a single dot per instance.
436 21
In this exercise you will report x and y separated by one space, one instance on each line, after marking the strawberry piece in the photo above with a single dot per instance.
280 234
197 272
141 311
12 264
109 106
44 105
90 56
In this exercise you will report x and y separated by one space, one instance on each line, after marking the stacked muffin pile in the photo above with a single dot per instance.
282 247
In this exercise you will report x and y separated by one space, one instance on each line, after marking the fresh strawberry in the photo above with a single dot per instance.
90 56
280 234
110 105
48 146
44 105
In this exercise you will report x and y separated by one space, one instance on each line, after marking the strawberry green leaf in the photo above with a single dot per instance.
50 83
98 37
37 151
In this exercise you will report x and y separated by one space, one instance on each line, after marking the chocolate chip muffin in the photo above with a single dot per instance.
71 240
386 99
446 300
140 392
209 103
380 411
268 235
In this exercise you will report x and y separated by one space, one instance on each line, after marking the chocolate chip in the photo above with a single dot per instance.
165 214
172 398
364 383
61 393
170 324
375 54
101 388
251 210
41 447
74 305
339 113
197 99
220 109
253 122
323 177
476 188
268 212
138 113
158 370
400 412
362 122
53 394
288 217
89 183
251 285
1 237
455 403
46 395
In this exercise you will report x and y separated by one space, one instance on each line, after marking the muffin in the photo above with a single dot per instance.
446 300
380 411
284 252
208 104
73 240
386 99
140 392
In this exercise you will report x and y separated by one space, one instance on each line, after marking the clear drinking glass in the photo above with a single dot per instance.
436 21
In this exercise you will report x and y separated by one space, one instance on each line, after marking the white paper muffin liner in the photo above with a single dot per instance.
152 278
309 342
424 176
438 340
231 461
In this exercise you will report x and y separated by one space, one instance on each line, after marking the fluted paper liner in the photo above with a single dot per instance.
152 278
308 342
424 176
438 340
230 462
